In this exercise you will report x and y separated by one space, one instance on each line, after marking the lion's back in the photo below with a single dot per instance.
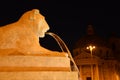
8 35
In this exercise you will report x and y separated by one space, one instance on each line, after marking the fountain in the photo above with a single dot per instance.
23 58
64 48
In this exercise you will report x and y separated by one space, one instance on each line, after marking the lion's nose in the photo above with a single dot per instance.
48 28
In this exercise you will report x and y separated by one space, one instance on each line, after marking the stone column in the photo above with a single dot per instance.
80 68
97 72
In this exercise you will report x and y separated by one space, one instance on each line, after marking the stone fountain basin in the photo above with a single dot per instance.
34 62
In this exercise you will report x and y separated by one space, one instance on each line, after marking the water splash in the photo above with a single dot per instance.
64 48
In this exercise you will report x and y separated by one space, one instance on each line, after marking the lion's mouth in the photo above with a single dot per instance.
46 30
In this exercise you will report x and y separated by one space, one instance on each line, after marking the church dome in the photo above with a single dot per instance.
90 39
101 44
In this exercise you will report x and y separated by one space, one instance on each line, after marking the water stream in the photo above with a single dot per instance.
64 48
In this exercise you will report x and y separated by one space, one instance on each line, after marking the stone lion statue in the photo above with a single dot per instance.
23 35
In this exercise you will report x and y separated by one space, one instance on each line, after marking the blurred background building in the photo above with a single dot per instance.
97 58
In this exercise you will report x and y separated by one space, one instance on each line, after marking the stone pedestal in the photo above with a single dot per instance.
39 75
36 67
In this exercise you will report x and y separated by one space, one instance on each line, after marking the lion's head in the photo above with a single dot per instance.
36 21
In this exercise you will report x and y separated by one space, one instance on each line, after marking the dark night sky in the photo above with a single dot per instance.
67 19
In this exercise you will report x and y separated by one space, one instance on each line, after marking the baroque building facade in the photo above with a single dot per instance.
101 62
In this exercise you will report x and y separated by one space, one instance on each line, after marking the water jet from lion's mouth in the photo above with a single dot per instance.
64 48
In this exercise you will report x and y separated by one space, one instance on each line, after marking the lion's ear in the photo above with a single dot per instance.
33 14
35 11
